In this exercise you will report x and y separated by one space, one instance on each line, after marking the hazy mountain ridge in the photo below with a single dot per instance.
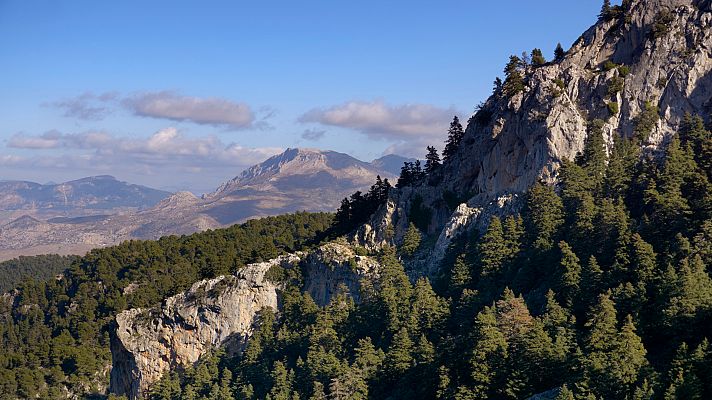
102 192
296 180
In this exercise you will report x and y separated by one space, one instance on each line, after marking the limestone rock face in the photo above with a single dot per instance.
514 141
214 312
333 267
223 311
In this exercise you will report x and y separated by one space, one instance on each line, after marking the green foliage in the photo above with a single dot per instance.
432 160
356 210
538 58
613 108
559 53
514 77
646 121
601 288
605 14
454 138
661 24
609 65
544 215
411 240
615 86
623 71
55 335
39 268
605 313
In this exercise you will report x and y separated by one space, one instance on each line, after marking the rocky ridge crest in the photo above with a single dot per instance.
220 312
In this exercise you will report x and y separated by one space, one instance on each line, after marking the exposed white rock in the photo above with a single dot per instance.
216 312
517 141
223 311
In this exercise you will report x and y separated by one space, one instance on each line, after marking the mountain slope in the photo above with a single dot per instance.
646 68
593 286
93 193
296 180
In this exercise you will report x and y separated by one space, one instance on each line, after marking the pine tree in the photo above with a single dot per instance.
513 233
565 394
591 280
559 324
460 275
514 80
432 160
645 122
318 392
621 167
594 153
559 53
428 311
445 390
616 359
684 380
545 215
643 260
538 58
399 357
454 137
489 355
570 274
368 360
411 240
492 253
693 132
392 299
605 14
282 380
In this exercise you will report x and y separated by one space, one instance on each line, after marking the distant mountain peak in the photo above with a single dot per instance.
294 165
391 163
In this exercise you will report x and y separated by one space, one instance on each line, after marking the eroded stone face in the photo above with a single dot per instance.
220 312
520 140
216 312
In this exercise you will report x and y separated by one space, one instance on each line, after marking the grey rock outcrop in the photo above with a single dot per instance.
220 312
514 141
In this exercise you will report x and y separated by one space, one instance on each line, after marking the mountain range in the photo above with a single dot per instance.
75 216
560 251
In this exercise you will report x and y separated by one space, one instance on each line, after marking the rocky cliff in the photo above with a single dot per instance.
657 53
656 56
222 311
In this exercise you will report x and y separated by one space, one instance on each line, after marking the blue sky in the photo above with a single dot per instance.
186 94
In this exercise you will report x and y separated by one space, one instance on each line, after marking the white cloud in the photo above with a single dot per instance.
48 140
167 147
206 111
409 127
383 121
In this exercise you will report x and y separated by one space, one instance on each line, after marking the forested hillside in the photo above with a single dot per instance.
599 289
13 272
54 334
590 177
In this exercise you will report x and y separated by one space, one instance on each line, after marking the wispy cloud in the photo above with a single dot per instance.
86 106
409 127
206 111
381 120
214 111
166 147
313 134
